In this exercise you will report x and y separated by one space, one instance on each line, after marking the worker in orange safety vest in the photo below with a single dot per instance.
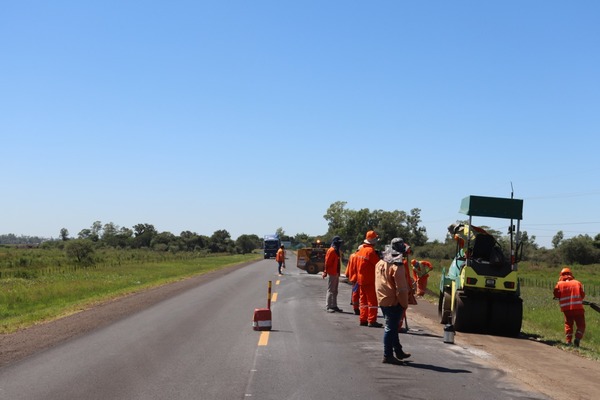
280 258
367 258
570 295
352 275
421 271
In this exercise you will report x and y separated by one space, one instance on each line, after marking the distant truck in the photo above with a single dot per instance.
271 245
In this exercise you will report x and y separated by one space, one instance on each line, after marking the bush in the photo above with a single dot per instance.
80 251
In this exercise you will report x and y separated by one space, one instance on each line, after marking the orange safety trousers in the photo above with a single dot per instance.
576 317
368 303
422 285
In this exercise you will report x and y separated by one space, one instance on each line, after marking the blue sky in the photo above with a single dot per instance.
254 115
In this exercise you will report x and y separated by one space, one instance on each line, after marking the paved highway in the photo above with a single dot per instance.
201 345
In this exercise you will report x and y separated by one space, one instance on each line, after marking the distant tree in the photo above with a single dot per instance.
247 243
352 225
109 235
579 249
418 233
220 242
280 232
529 246
80 251
96 231
191 241
597 241
124 237
64 234
557 239
143 235
164 241
302 238
85 234
335 216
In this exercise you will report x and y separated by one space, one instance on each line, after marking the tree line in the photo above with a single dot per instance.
349 224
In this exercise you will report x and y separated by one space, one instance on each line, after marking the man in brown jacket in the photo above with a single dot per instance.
392 296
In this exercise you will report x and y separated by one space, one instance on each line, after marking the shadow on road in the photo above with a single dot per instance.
436 368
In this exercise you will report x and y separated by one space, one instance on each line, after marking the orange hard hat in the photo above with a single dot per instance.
371 235
413 262
566 271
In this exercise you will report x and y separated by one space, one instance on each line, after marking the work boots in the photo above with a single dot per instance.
401 355
392 360
576 342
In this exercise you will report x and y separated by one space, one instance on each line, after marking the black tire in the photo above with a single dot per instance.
506 317
311 268
445 308
470 313
459 313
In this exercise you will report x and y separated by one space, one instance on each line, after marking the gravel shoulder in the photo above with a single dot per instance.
559 374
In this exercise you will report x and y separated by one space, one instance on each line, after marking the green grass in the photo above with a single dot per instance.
26 301
542 318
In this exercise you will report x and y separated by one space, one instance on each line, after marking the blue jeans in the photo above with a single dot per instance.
391 341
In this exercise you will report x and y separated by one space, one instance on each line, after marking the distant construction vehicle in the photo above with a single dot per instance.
312 259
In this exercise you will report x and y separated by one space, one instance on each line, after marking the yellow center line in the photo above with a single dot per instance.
277 282
264 338
274 297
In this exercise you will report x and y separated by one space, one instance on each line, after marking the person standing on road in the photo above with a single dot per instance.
352 275
570 295
367 259
333 265
392 295
280 258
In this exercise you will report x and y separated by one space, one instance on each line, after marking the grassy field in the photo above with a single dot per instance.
542 318
43 292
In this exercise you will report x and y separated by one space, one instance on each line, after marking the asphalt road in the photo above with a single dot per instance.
201 345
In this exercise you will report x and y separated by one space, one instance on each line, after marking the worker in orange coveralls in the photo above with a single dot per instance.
570 295
421 271
367 258
352 275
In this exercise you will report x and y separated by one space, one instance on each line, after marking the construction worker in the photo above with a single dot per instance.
392 296
280 258
367 258
333 260
463 233
421 271
570 295
352 275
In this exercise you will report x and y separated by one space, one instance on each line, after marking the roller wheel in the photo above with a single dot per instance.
444 307
506 317
469 314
